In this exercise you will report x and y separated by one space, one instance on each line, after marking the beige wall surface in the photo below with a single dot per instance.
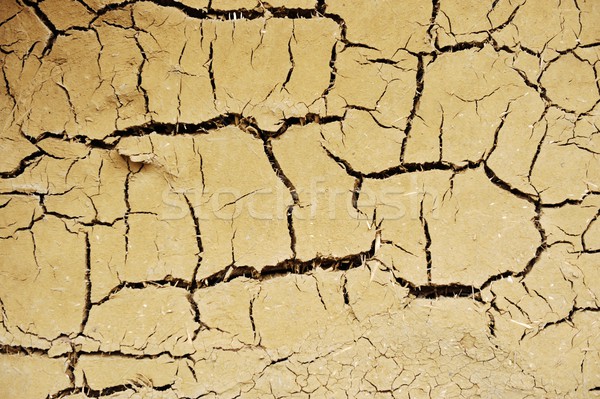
299 199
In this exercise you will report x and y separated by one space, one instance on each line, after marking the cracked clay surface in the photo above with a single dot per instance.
299 199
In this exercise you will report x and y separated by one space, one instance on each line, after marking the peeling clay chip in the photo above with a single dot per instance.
299 199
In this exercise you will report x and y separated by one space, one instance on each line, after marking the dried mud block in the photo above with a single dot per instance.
99 372
31 376
281 379
68 14
76 87
121 61
584 134
472 20
21 29
386 25
517 142
22 40
58 148
274 302
85 189
481 87
272 69
367 146
480 231
305 308
373 291
311 51
569 223
239 85
160 239
364 79
560 358
325 223
540 298
242 208
571 83
563 170
175 74
156 249
18 213
419 217
590 11
43 292
234 211
15 147
222 373
561 26
107 259
591 237
150 321
400 206
228 308
546 303
581 271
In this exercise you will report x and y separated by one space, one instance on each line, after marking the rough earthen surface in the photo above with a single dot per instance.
242 199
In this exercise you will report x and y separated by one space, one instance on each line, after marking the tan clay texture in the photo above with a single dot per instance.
299 199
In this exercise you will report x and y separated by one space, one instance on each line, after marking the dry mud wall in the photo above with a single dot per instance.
390 199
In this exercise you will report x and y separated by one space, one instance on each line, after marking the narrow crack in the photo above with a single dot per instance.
268 148
420 85
264 10
22 350
356 192
345 293
255 333
291 231
88 283
26 162
333 73
195 220
211 72
105 392
54 32
291 55
427 242
168 281
140 86
402 169
435 9
71 364
127 211
288 266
